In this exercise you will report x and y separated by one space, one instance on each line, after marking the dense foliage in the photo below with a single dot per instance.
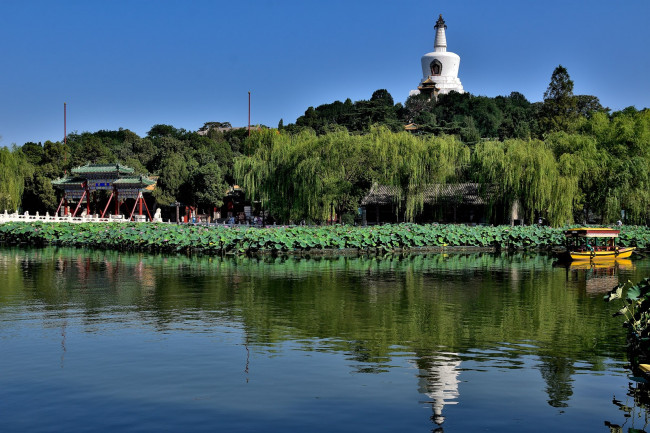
223 239
306 176
566 159
191 168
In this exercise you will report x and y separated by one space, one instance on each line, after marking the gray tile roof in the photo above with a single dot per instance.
461 193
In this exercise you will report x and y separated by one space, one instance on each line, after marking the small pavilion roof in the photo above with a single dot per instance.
139 181
67 182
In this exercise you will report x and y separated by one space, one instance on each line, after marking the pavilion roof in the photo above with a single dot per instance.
131 182
140 181
115 169
68 182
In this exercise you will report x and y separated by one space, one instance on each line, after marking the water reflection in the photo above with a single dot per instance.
597 277
444 314
635 406
438 380
558 373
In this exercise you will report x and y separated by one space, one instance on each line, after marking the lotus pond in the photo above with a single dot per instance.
114 341
156 237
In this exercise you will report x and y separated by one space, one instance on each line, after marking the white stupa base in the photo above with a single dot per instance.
447 84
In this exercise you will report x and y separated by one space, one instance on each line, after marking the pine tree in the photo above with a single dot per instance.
559 111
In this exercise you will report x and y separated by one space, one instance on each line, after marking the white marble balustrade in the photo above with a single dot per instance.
15 216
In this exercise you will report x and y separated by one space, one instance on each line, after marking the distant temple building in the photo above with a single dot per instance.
439 68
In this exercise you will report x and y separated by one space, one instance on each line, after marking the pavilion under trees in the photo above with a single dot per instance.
91 180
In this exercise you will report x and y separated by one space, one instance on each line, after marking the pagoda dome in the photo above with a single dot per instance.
441 66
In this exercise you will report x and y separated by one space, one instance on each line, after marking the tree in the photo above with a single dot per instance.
527 171
172 178
305 175
208 185
33 152
39 194
559 112
587 105
12 183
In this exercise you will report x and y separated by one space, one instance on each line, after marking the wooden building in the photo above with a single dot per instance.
444 203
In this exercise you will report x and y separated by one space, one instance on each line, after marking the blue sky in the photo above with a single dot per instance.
133 64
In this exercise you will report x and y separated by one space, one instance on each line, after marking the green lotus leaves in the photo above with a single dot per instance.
244 240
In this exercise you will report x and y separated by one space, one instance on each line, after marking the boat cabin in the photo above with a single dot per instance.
591 239
595 244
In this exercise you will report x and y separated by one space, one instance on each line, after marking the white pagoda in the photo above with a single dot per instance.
440 67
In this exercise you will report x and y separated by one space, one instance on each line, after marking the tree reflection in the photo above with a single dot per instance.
557 372
438 306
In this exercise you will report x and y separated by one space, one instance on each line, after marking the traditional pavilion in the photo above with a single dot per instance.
120 180
439 68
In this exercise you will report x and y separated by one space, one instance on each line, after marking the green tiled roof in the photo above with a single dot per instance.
142 181
68 181
102 168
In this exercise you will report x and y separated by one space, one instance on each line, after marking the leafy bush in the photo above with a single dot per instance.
637 316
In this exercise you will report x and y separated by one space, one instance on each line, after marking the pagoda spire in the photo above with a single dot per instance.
440 44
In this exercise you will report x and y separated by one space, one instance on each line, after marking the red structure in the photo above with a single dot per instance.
89 179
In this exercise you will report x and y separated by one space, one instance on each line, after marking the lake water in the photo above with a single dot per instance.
106 341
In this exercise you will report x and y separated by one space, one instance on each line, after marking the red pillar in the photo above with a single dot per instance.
140 198
87 200
117 202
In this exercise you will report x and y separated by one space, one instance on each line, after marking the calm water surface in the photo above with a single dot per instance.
103 341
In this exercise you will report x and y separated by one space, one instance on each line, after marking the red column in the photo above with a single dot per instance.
87 200
117 202
140 198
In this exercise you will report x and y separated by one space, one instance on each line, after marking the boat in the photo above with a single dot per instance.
597 243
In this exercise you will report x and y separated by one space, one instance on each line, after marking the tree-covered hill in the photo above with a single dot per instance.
563 158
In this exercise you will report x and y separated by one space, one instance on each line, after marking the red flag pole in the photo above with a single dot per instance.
65 139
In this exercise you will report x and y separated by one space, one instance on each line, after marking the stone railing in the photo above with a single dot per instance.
7 217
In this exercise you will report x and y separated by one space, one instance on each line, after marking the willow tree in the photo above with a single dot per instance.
13 168
528 172
578 156
308 176
413 163
282 174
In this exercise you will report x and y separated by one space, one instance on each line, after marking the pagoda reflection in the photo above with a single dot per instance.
438 380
